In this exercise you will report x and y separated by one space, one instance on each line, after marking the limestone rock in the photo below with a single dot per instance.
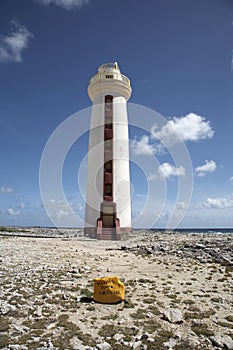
38 311
104 346
223 341
118 336
137 344
83 347
5 308
173 316
170 343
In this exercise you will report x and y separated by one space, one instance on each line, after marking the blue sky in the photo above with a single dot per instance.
178 55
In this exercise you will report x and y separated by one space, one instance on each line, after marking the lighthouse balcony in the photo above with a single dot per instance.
109 76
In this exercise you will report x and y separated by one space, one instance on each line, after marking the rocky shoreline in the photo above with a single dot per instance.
203 247
178 291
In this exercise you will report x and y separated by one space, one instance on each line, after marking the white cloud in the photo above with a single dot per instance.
22 206
167 170
218 203
61 208
13 45
180 209
182 205
6 189
66 4
231 178
152 177
12 212
191 127
61 213
208 167
143 146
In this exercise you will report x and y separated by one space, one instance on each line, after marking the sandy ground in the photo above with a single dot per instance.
46 285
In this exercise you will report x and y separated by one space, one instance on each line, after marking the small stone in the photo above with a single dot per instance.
82 347
104 346
177 335
173 316
223 341
170 343
5 308
145 336
21 329
203 261
136 338
151 340
81 270
137 344
74 271
38 311
118 336
50 326
199 245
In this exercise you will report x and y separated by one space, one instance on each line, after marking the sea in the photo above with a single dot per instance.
38 231
219 231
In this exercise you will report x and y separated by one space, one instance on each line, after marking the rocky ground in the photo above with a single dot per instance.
178 291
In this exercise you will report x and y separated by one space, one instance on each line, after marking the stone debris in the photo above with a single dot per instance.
118 337
104 346
173 316
177 289
38 311
170 344
6 308
136 345
222 341
213 247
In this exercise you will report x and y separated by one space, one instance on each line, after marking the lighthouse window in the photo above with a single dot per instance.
108 166
108 99
108 120
109 76
108 190
108 144
108 108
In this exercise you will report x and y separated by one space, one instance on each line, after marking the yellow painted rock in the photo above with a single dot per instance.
108 290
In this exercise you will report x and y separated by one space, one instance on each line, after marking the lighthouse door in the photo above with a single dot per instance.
108 216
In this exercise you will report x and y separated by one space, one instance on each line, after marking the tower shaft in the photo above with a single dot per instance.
108 202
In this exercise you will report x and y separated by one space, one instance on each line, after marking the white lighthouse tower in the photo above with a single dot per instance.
108 202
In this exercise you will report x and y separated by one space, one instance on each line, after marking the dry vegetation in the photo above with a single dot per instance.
47 285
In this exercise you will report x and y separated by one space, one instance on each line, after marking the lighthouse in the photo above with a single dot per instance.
108 201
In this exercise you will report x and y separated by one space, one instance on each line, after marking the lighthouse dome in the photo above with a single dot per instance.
109 68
